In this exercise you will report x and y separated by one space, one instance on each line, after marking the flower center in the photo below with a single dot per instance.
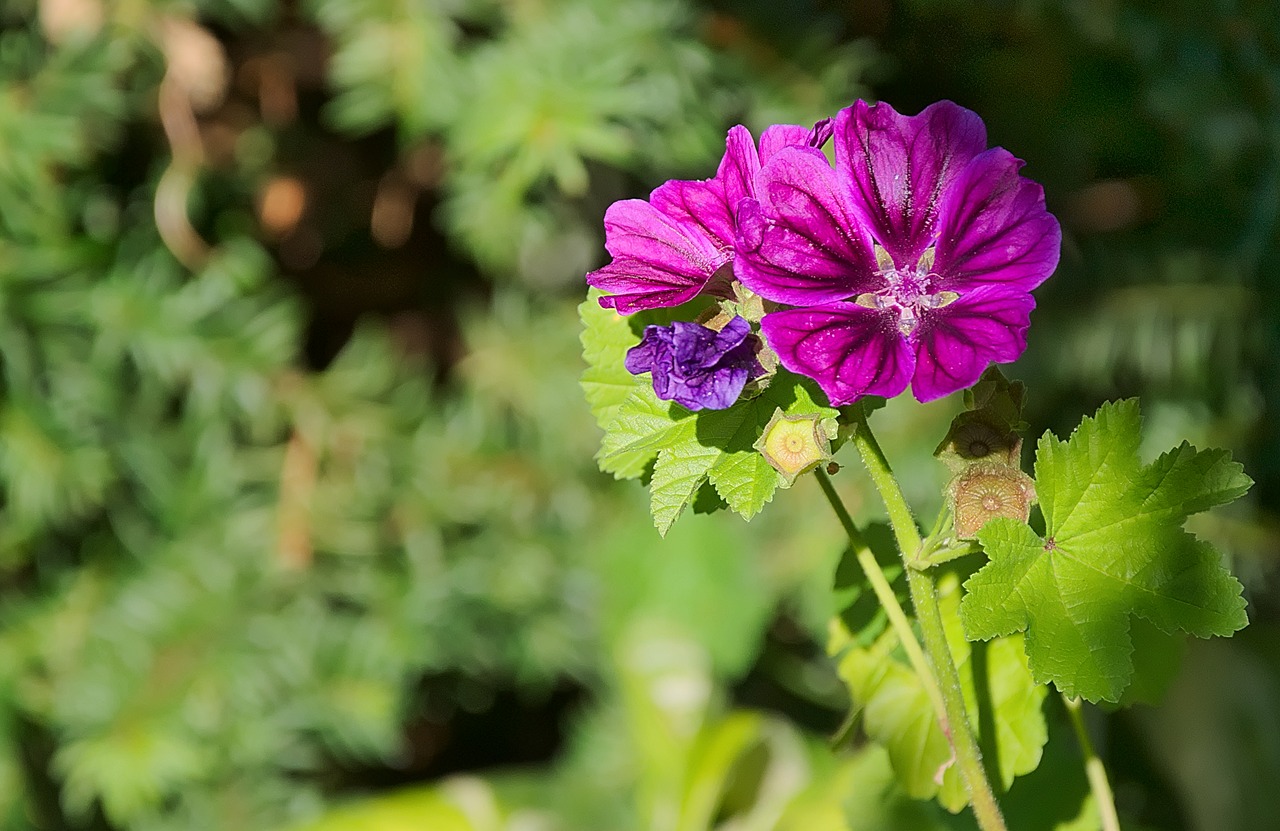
908 291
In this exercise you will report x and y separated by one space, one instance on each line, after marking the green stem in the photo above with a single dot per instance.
1093 767
884 593
924 596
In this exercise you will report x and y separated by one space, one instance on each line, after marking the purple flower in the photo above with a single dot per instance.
912 262
667 249
696 366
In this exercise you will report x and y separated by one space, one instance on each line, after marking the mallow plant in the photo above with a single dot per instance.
748 326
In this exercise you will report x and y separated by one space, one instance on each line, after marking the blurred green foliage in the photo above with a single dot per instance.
297 499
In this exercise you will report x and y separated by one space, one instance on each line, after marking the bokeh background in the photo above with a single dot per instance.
299 523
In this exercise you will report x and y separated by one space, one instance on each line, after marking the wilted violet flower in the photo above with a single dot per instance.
696 366
667 249
910 262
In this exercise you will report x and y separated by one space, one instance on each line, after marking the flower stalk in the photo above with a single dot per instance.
924 596
1096 772
884 593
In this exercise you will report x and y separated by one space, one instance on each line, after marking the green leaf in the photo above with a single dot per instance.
875 801
642 426
711 445
681 469
1055 796
898 714
1114 547
606 337
687 450
630 446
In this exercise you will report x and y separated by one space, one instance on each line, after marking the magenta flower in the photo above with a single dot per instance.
696 366
667 249
911 262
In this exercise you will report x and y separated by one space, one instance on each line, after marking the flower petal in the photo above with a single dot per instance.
696 366
801 244
780 136
955 344
995 229
657 260
653 346
738 169
901 166
716 390
698 206
697 347
850 350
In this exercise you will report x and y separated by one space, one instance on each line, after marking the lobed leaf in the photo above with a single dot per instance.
1114 547
691 449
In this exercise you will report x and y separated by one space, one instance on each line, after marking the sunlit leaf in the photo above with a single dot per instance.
1113 547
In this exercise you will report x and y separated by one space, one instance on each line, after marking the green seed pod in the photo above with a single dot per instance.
795 444
982 492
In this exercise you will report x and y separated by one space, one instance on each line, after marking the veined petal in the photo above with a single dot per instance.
994 228
714 391
696 346
740 166
900 167
780 136
800 243
657 260
738 170
698 206
956 343
850 350
696 366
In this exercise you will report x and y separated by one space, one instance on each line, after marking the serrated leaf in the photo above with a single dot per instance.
1114 547
680 471
692 449
629 446
711 445
745 481
606 337
643 425
898 714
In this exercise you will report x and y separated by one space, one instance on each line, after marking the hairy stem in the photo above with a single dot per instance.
884 593
924 596
1093 767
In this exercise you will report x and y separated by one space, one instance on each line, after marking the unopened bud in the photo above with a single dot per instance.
795 444
975 438
994 392
983 492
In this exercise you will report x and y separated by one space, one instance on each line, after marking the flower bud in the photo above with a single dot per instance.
982 492
974 437
990 427
795 444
